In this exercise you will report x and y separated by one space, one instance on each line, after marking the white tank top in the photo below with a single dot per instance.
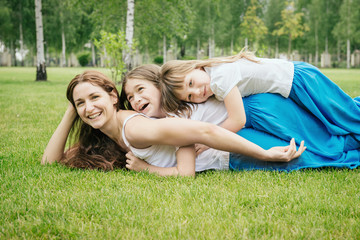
165 155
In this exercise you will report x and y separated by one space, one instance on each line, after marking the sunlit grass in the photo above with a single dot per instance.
54 202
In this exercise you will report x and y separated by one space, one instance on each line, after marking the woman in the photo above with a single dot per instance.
95 112
266 112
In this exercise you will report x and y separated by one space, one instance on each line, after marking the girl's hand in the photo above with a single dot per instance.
286 154
134 163
199 148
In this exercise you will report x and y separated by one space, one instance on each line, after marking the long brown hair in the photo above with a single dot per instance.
92 148
173 74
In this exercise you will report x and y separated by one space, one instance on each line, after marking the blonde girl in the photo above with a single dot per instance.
231 78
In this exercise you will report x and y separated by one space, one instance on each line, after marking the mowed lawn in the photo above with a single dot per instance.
54 202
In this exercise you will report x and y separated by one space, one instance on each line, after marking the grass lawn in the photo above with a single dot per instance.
54 202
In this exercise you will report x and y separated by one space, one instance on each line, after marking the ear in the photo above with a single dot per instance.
114 98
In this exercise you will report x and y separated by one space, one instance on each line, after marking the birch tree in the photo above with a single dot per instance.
291 25
253 27
40 59
348 27
129 33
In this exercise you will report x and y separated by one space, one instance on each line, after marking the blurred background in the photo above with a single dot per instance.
325 33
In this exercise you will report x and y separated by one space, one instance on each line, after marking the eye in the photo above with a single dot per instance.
94 97
79 104
140 88
129 98
189 97
190 82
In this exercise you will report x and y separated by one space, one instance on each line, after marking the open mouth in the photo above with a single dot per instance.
94 115
144 106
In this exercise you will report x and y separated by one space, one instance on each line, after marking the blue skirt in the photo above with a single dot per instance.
272 120
315 92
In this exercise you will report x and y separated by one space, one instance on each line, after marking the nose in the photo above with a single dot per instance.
89 106
196 92
137 99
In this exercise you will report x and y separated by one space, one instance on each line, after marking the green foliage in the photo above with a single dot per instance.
186 57
159 60
84 58
112 46
291 24
192 25
348 26
252 26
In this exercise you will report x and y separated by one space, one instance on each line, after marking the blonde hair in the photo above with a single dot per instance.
173 74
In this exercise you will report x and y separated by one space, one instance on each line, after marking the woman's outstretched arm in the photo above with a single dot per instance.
54 150
142 132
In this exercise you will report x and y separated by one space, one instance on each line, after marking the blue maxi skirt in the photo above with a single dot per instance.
312 90
272 120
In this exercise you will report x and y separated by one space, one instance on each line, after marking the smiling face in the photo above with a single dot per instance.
144 97
94 105
196 87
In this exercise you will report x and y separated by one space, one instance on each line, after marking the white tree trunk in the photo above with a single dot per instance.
63 52
338 52
164 49
175 49
22 51
93 54
348 53
210 53
129 33
198 49
316 44
326 44
232 40
40 60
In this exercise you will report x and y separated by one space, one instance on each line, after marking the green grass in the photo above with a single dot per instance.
54 202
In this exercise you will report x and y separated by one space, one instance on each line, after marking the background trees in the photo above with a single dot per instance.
183 29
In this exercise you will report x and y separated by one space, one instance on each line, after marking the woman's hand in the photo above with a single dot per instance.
71 110
285 154
135 164
199 148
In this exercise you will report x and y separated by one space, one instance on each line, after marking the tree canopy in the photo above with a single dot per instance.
184 28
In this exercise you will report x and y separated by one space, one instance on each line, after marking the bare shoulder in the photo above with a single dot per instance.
122 115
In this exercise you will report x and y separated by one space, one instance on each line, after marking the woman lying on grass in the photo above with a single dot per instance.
98 123
269 122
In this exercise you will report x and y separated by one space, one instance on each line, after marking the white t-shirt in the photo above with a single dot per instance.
265 76
211 111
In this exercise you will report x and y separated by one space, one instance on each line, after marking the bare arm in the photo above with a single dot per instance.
185 164
54 150
142 132
236 113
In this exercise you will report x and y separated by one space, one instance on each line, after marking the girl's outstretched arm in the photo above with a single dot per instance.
185 157
236 113
54 150
142 132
